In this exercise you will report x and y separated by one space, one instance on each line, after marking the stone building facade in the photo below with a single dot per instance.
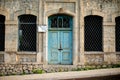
108 11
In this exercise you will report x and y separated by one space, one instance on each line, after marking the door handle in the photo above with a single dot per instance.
60 48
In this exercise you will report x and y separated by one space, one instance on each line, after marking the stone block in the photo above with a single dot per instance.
110 58
1 58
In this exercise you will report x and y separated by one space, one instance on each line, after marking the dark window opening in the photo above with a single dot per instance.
2 33
93 33
27 33
60 21
117 33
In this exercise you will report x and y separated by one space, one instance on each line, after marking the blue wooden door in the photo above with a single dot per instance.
60 47
59 40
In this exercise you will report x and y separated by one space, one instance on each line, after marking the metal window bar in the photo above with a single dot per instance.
117 33
60 21
27 33
2 33
93 33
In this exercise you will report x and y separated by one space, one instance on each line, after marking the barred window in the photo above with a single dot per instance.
27 32
93 33
117 33
2 32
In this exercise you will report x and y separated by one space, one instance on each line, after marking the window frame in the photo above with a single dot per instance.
27 23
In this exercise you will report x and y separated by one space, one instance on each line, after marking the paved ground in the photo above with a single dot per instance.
65 75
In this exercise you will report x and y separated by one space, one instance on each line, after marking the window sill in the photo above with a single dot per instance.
99 52
26 52
118 53
2 52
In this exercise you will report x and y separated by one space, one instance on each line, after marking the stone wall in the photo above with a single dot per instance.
27 58
12 6
21 69
118 57
1 58
94 59
11 36
108 7
9 69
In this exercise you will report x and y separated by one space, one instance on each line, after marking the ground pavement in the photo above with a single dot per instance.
65 75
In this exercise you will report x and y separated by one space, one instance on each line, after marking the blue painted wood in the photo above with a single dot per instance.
53 44
60 39
57 40
66 53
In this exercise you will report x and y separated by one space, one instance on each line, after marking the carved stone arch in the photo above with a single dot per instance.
21 12
60 11
5 13
97 13
114 15
98 16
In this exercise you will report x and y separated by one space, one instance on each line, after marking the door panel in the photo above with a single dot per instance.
60 47
54 57
66 38
53 53
54 40
66 57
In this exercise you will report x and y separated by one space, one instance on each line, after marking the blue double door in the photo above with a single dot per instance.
60 47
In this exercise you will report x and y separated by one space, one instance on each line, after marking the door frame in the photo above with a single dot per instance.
59 30
75 55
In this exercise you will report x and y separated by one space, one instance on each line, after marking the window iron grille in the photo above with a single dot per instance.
117 33
2 33
93 33
27 33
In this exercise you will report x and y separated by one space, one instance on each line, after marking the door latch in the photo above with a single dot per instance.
60 48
